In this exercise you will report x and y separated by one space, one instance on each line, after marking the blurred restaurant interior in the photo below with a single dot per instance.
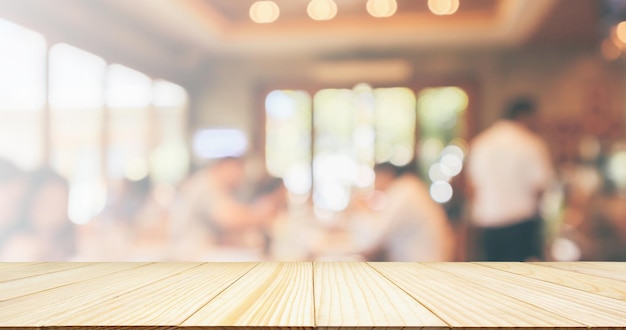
221 130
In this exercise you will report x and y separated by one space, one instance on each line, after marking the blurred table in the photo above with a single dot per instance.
312 295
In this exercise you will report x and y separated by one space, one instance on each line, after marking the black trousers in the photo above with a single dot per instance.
517 242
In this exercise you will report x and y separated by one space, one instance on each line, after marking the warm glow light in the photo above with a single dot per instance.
264 12
620 32
443 7
322 10
382 8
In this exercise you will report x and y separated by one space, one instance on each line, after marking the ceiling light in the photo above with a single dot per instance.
322 10
382 8
620 32
264 11
443 7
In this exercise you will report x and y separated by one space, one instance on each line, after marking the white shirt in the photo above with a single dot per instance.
415 228
509 166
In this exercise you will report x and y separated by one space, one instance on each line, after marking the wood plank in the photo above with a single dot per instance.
167 302
619 266
590 309
615 272
35 269
38 308
7 265
305 295
29 285
461 303
593 284
356 295
270 295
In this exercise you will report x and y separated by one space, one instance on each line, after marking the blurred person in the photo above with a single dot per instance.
128 199
150 225
114 233
210 221
44 231
271 190
11 189
509 168
411 226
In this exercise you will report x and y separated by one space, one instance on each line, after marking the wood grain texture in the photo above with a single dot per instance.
34 269
7 265
167 302
356 295
230 296
611 270
462 303
593 284
270 295
589 309
29 285
44 308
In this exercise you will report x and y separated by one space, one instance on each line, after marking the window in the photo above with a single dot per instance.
128 97
351 130
288 139
22 94
441 113
76 84
169 160
102 122
395 125
334 162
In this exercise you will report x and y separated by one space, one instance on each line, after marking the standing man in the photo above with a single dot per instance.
509 167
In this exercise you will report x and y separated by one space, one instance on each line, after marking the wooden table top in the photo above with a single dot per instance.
312 295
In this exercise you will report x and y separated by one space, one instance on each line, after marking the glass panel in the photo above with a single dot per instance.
395 125
441 113
128 97
22 94
364 135
169 161
334 165
76 101
288 138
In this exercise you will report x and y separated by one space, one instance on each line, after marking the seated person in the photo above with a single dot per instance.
411 226
43 230
211 223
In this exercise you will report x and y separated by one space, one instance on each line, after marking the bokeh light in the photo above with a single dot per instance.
441 192
438 173
443 7
620 32
382 8
264 12
322 10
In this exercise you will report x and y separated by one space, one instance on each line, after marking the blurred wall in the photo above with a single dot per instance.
561 81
